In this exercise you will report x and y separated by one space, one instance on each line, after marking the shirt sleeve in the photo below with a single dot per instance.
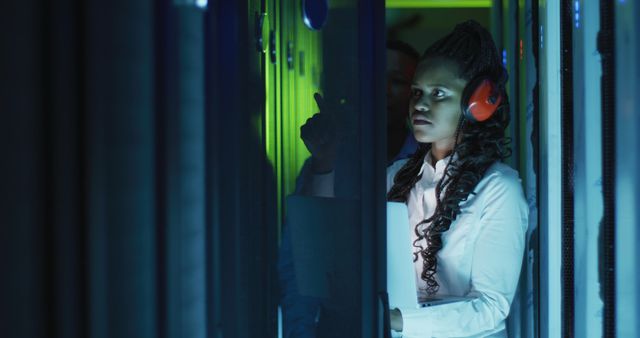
311 184
299 312
321 185
495 269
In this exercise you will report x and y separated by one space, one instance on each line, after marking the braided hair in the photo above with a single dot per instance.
477 145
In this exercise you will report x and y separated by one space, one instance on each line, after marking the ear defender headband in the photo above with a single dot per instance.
480 99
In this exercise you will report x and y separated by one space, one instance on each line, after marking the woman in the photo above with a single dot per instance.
467 208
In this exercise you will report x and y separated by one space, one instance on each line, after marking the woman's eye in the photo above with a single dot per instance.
416 92
437 93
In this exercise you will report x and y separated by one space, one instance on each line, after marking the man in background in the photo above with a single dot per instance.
323 136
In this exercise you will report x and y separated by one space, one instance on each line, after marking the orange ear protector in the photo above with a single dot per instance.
480 99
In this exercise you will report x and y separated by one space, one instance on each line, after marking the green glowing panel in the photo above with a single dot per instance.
438 4
289 84
298 84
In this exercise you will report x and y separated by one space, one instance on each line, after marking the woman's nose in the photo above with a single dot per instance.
421 105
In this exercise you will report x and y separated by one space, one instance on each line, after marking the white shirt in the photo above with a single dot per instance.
481 255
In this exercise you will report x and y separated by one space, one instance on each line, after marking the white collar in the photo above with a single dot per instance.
440 165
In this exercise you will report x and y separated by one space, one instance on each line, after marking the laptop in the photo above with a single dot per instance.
401 276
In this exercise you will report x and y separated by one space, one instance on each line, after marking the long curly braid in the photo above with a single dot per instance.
477 146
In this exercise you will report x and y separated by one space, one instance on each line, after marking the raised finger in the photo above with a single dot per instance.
320 101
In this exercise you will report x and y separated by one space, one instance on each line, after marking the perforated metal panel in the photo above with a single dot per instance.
606 46
568 219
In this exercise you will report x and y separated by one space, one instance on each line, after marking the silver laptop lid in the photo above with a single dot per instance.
401 275
401 285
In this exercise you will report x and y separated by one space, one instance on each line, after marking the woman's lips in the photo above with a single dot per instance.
420 121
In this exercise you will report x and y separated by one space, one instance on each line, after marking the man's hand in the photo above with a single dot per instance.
320 136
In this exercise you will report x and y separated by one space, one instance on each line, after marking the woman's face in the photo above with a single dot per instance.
435 102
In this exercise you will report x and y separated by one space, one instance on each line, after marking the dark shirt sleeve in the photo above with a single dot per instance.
299 313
